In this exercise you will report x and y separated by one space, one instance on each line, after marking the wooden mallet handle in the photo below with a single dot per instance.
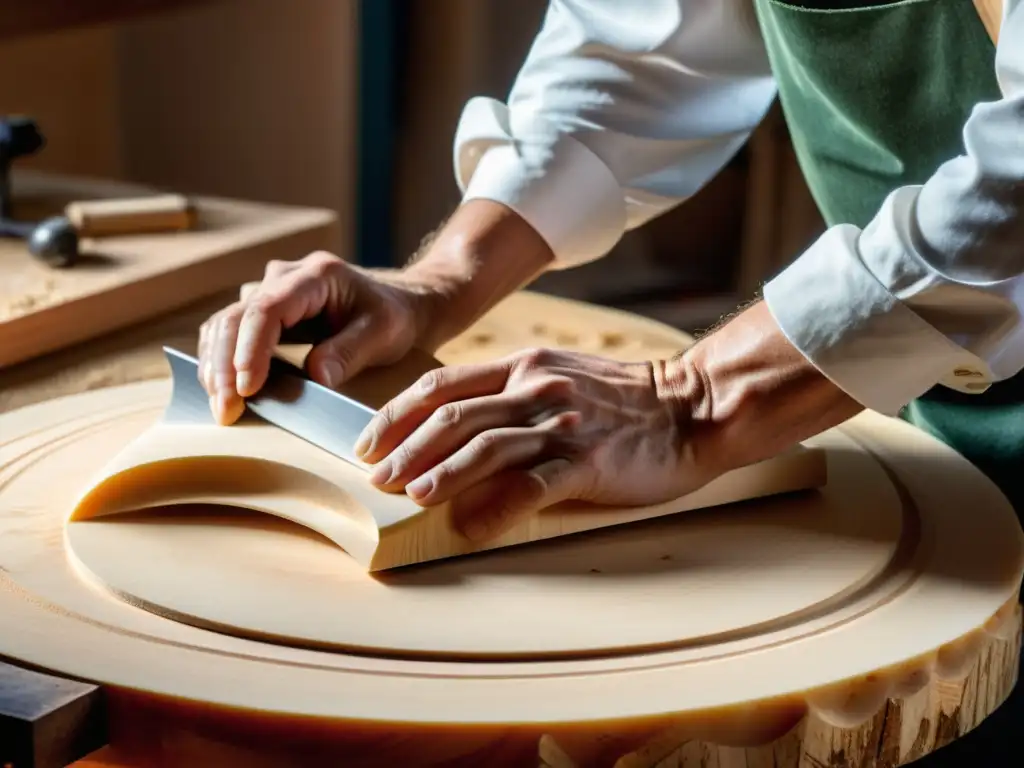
131 216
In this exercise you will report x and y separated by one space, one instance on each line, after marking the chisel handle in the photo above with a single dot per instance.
131 216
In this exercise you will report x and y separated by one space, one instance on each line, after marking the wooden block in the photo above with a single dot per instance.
47 721
121 281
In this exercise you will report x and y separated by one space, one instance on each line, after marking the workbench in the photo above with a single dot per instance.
75 717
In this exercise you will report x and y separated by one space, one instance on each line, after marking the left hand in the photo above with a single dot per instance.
505 438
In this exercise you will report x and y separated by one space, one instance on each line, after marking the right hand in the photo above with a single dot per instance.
374 318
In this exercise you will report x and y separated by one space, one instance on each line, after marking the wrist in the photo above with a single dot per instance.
482 254
744 393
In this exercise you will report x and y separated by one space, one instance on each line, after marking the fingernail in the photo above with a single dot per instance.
362 446
420 487
331 370
382 474
243 383
229 406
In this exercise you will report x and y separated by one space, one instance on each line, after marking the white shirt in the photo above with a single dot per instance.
624 109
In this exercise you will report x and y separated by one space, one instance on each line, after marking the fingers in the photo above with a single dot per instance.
492 507
486 455
454 424
236 344
447 430
260 329
216 368
398 418
227 406
347 353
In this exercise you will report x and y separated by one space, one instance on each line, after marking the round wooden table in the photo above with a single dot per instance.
888 718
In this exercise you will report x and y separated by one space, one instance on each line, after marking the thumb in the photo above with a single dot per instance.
492 507
361 343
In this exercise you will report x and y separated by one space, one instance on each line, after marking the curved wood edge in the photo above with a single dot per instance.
904 729
147 730
159 471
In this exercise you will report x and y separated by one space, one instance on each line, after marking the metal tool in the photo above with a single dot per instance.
53 241
19 137
327 419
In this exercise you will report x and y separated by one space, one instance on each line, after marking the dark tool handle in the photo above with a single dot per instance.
11 228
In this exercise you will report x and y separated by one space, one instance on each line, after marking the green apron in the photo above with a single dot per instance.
876 95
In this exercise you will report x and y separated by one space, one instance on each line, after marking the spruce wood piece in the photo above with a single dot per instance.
185 457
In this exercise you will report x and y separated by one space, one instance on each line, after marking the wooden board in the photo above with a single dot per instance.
123 280
48 722
702 620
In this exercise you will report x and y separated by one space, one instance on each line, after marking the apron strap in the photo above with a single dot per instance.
991 14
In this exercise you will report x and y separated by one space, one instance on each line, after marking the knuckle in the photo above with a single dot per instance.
449 414
265 303
401 458
553 388
486 446
274 268
532 357
384 419
431 381
233 313
322 264
442 475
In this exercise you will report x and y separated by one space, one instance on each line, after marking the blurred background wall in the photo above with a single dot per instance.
352 106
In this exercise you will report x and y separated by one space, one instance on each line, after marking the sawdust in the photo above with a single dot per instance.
16 301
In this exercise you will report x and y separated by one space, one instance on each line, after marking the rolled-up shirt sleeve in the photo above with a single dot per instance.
930 291
620 112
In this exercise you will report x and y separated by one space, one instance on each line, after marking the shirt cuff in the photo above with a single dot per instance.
832 308
557 184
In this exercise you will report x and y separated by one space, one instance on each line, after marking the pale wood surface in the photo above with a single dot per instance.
948 692
123 280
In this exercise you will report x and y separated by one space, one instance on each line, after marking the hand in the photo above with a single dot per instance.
505 438
373 319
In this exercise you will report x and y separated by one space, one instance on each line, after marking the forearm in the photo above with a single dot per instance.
589 146
743 393
483 253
